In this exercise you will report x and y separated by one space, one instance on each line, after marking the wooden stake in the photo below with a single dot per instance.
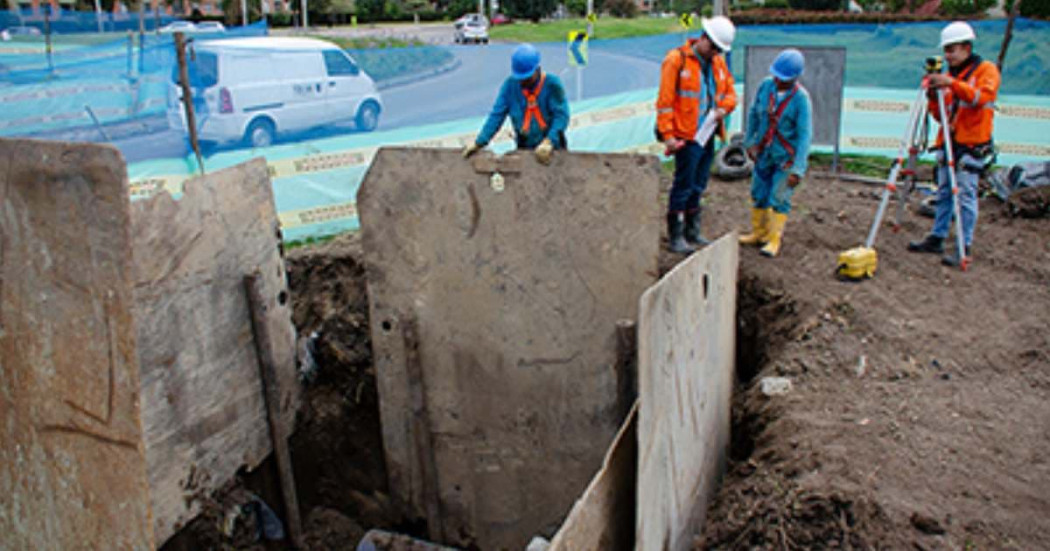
271 395
187 97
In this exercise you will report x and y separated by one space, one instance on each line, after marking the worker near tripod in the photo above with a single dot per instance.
779 130
970 88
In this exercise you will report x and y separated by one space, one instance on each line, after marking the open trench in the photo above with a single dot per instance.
337 448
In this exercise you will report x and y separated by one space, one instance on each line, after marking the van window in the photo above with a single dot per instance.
203 69
338 64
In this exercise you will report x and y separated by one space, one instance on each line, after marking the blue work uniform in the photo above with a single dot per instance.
787 152
512 101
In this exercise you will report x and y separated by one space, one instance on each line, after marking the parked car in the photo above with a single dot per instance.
500 19
178 26
210 27
471 31
475 17
21 31
250 90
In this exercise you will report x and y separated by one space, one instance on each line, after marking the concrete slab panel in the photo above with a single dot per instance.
603 518
495 288
72 466
203 409
686 350
824 78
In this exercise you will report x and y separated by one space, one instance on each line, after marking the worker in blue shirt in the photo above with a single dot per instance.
536 104
779 130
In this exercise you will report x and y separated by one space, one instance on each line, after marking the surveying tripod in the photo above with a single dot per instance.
913 143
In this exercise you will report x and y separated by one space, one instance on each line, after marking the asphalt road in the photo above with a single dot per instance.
466 91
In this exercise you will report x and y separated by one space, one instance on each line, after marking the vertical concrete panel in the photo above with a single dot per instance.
72 471
824 77
603 518
203 409
686 347
494 304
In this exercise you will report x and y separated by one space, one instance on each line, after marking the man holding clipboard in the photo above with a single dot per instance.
696 93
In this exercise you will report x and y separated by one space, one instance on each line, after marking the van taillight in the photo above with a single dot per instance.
225 101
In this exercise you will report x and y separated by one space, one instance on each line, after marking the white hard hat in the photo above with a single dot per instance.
954 33
720 30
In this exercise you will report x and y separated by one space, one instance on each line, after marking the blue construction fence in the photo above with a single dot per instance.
437 96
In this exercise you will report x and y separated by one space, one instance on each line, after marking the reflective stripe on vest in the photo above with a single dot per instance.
773 131
532 108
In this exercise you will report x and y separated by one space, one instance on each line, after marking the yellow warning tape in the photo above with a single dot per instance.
895 106
305 217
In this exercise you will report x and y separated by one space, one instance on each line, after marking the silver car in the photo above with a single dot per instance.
471 31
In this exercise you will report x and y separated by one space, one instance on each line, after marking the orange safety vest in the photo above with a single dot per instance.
678 102
970 104
532 108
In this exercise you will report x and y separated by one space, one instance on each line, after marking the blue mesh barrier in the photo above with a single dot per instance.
326 116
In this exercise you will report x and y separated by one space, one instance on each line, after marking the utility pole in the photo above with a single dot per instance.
244 13
306 18
719 7
98 14
481 7
590 10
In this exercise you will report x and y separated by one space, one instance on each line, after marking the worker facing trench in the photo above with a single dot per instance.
337 447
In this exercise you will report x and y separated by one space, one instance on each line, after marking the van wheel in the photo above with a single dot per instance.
368 117
260 133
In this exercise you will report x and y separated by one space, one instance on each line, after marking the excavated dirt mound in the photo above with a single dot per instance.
919 413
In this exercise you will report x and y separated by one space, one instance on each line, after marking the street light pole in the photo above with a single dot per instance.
244 12
590 10
306 16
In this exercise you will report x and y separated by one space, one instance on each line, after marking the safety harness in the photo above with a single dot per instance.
983 153
532 107
773 131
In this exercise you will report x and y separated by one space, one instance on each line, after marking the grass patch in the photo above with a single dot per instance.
875 166
369 42
309 242
606 27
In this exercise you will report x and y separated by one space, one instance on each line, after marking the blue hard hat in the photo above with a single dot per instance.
524 61
788 65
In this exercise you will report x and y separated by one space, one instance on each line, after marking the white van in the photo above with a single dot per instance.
250 89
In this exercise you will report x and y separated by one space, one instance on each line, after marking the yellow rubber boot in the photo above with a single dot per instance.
776 232
759 232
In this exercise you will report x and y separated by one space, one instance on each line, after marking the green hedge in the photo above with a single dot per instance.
1035 8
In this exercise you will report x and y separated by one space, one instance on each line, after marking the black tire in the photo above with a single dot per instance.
260 133
367 118
732 162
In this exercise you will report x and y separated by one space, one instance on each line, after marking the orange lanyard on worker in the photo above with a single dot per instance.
532 107
773 130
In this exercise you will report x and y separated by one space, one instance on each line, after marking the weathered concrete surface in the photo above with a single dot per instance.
686 348
72 471
203 409
493 310
603 518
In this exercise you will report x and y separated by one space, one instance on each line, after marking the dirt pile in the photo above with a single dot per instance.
918 415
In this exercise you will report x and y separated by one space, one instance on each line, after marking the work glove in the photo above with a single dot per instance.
544 151
793 180
470 149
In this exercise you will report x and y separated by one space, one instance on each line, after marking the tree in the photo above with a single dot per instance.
532 10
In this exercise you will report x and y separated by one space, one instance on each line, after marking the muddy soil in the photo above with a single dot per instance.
919 415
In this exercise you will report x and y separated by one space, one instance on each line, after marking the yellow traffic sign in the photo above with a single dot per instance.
578 48
592 17
686 20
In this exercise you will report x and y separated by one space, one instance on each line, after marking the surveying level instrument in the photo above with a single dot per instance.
861 262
